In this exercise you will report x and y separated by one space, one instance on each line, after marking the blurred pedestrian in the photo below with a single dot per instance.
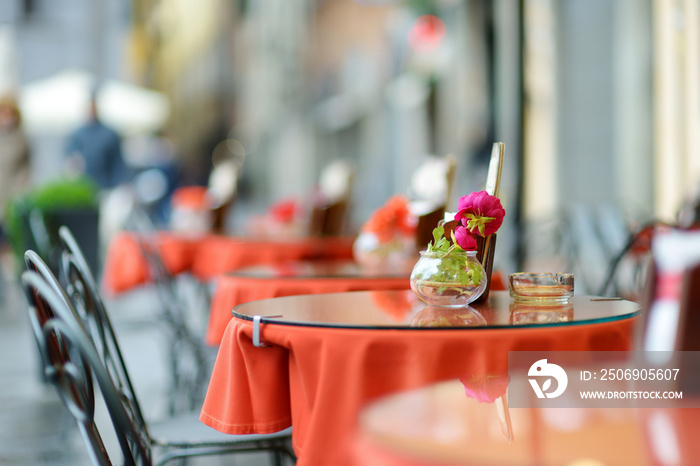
96 150
14 152
14 171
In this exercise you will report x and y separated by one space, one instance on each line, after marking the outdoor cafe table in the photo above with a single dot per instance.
208 256
291 278
327 355
444 425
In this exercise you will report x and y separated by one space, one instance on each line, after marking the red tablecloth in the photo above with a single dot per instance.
317 379
125 266
219 254
232 290
210 255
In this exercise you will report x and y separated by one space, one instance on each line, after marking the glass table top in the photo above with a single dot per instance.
468 421
402 310
319 269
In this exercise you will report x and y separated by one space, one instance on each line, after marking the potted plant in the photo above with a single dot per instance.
448 274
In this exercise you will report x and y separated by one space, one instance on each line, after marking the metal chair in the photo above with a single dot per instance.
71 360
189 365
331 203
628 272
71 364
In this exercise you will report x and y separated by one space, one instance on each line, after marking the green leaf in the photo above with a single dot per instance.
477 276
439 243
438 233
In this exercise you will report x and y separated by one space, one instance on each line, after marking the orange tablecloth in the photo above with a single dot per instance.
219 254
232 290
317 379
210 255
125 266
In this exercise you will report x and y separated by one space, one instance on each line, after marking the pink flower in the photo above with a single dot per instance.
464 239
480 212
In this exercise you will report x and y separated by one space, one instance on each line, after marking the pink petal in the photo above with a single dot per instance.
481 204
464 239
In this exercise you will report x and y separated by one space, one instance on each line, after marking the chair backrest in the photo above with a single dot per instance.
43 227
430 189
628 270
329 219
427 221
70 363
81 289
432 181
223 188
332 203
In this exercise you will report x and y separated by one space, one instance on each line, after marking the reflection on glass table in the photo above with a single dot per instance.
524 313
433 316
491 389
443 424
398 309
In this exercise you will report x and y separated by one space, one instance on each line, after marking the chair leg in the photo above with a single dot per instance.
283 457
289 453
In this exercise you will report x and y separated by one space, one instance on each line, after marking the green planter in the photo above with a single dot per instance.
32 220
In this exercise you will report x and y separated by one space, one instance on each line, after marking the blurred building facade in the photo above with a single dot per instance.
301 84
594 101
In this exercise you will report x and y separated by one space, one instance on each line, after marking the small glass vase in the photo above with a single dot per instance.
453 280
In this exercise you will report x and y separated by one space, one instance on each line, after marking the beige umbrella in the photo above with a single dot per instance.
59 103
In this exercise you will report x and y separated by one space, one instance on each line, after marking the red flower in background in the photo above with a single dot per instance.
193 197
284 211
396 303
391 219
481 213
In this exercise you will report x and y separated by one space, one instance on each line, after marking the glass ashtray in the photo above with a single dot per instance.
543 288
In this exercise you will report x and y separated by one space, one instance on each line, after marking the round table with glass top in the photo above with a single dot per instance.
313 361
463 422
402 310
288 278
